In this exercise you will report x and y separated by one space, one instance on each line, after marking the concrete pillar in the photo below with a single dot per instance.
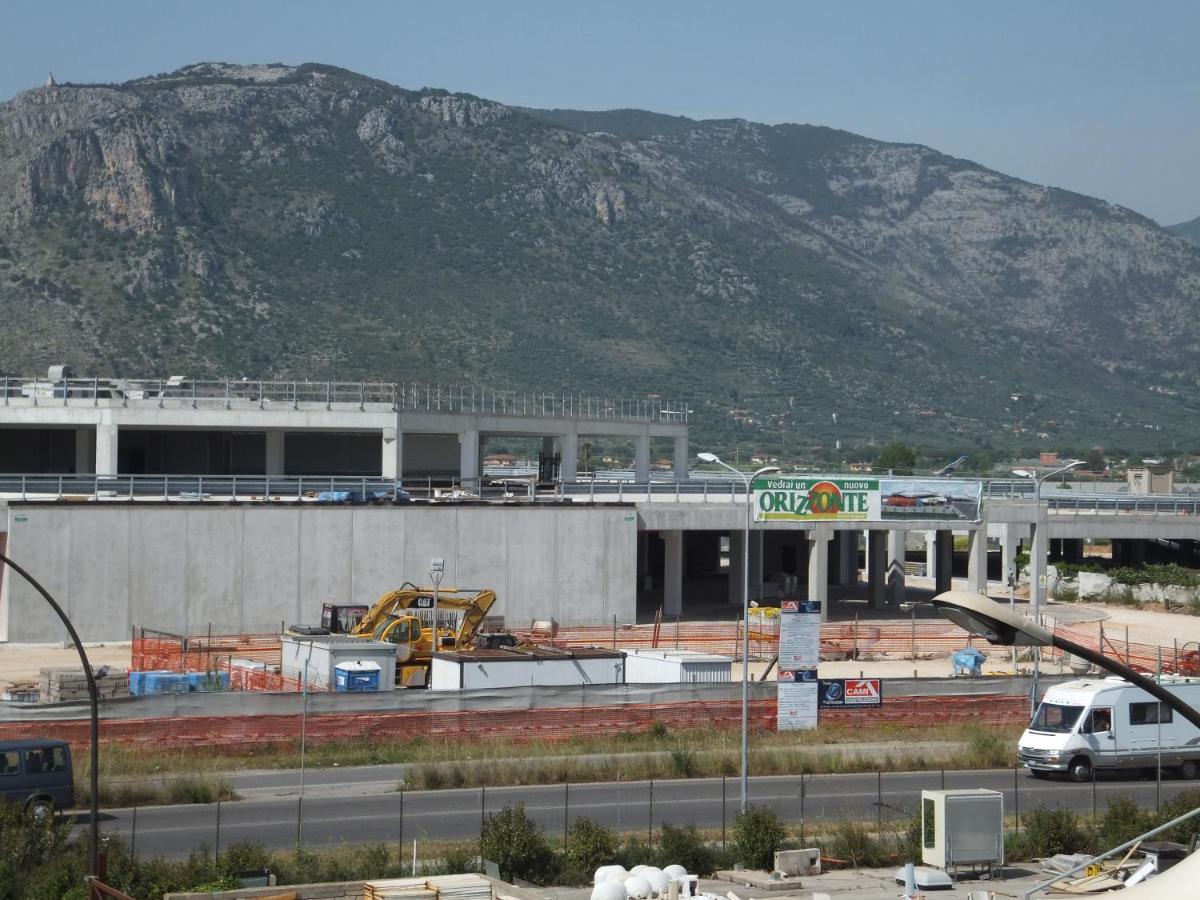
392 460
83 450
468 458
930 554
1072 550
943 548
672 573
682 462
274 464
848 557
818 569
106 449
568 451
895 567
641 458
1010 545
756 565
977 561
735 567
1038 546
877 551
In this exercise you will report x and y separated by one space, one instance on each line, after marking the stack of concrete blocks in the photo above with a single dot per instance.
66 685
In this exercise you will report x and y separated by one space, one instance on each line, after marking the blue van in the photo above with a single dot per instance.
37 774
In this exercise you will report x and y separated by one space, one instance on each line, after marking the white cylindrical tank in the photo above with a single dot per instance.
609 890
637 888
610 873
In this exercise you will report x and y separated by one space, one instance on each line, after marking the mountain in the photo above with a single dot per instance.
305 221
1189 230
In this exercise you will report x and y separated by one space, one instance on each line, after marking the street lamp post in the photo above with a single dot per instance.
94 697
748 481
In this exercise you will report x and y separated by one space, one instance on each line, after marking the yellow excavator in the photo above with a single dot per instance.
405 617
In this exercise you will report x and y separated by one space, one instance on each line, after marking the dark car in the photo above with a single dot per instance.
37 774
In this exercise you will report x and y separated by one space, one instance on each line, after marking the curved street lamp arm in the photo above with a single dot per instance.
1149 685
93 696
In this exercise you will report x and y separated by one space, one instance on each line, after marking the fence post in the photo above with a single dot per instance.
914 634
1017 798
723 816
482 809
650 818
879 799
133 836
217 851
400 836
566 811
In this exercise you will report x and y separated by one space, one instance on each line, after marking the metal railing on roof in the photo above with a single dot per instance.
176 392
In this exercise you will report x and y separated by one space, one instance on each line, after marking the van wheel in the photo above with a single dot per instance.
41 809
1190 769
1081 769
1039 773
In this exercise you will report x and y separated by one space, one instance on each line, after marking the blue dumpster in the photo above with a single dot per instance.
357 675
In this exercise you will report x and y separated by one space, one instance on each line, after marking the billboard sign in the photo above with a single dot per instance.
792 498
799 634
840 693
796 694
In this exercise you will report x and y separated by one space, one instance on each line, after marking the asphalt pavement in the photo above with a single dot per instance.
360 805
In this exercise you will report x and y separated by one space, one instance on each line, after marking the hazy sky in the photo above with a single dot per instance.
1099 97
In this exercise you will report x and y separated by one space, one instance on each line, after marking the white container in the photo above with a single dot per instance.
475 669
316 657
962 828
675 666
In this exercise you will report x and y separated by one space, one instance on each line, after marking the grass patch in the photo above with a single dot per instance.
117 793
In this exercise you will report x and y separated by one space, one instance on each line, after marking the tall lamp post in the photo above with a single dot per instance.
1042 538
93 696
748 481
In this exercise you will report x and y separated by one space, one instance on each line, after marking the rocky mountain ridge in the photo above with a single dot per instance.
305 221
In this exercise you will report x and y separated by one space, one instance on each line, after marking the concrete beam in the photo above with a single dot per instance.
818 569
391 463
977 561
672 573
106 449
895 567
274 463
641 458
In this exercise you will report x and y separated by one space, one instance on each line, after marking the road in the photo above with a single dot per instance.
358 805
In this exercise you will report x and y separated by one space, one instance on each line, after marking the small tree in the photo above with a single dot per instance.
589 846
757 834
517 845
685 847
896 457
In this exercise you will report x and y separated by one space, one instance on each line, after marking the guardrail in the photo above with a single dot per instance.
399 396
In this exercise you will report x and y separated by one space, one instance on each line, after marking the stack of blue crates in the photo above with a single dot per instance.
163 682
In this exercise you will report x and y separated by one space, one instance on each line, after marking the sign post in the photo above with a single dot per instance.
799 654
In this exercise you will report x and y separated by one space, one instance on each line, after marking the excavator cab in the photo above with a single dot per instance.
403 631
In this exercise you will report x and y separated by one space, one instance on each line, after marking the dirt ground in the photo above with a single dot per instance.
23 662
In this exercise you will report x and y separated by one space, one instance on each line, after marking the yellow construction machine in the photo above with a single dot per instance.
405 617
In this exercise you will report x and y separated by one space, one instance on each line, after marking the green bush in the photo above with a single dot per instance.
589 846
683 762
1183 802
856 845
517 845
1123 820
757 834
1170 574
1049 831
685 847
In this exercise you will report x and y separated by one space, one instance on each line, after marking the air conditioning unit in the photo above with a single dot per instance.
962 828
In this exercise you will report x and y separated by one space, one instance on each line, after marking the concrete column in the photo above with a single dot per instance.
106 449
641 458
83 450
756 565
274 464
672 573
568 451
392 462
735 567
468 458
895 567
848 557
930 554
943 548
877 567
1038 546
977 561
682 461
818 569
1072 549
1010 545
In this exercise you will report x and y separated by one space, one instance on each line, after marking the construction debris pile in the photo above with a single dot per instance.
66 685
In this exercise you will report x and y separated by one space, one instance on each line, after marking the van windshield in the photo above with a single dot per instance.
1055 718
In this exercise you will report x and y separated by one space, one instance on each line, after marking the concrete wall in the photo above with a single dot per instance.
181 567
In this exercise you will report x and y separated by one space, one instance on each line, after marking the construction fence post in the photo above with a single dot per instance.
650 818
400 834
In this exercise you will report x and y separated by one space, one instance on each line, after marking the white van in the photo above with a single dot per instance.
1107 723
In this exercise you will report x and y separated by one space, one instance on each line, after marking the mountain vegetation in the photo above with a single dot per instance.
309 222
1188 230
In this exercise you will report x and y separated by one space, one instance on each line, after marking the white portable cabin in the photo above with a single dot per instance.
673 666
1108 723
315 658
473 669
